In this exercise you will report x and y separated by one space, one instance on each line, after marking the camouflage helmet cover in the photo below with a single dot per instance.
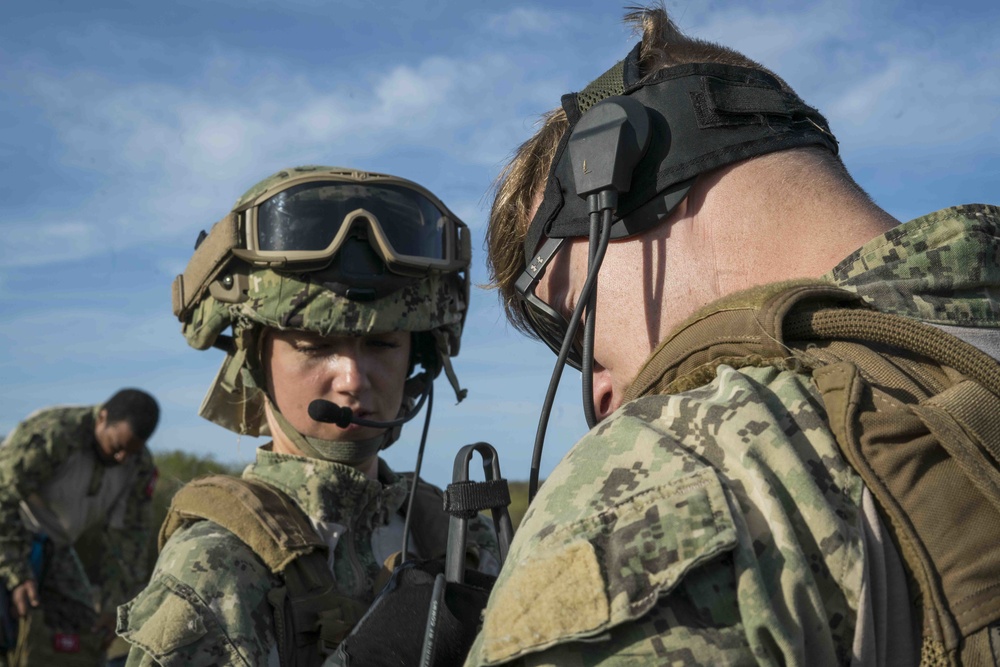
286 300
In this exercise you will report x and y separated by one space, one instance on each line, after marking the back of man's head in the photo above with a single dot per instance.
521 183
136 407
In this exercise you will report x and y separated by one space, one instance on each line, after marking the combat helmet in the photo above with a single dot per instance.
329 250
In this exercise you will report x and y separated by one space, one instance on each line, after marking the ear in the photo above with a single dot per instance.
102 418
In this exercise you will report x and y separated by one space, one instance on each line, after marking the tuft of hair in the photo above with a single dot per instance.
135 406
664 45
516 190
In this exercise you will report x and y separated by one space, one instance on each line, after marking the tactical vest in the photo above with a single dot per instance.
915 411
310 617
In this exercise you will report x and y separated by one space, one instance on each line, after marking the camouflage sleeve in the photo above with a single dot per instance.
483 545
125 565
717 526
693 622
29 456
206 604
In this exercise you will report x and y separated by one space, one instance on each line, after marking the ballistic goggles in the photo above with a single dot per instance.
306 222
302 223
546 322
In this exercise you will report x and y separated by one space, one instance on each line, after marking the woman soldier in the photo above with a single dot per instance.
337 284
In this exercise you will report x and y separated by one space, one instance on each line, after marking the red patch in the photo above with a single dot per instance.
152 483
66 643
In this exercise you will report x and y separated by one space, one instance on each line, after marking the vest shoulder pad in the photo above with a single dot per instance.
265 519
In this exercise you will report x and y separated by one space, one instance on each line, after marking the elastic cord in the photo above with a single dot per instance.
587 361
416 471
574 322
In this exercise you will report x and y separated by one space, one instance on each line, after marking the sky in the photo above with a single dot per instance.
129 127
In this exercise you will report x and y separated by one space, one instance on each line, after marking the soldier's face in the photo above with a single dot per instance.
364 373
116 441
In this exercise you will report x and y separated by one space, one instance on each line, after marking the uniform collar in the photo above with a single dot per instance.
331 492
940 268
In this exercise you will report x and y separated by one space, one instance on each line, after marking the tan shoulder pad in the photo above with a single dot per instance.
263 518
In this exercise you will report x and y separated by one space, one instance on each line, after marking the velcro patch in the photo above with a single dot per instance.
607 568
160 620
564 594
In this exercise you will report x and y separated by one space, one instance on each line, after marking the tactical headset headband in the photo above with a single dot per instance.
702 116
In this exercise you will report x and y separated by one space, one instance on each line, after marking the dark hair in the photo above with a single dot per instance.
136 407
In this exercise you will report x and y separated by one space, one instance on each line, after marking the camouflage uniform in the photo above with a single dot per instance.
208 601
211 591
52 482
722 525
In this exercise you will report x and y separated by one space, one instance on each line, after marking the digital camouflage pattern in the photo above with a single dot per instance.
286 300
55 446
721 525
291 301
941 268
207 601
282 303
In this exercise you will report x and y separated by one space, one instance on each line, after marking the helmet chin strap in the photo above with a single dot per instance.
348 452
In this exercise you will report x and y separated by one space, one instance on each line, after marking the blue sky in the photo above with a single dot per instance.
128 127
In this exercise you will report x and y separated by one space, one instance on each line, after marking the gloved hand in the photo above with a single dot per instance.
392 632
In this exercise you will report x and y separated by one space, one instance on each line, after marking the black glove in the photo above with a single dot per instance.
393 630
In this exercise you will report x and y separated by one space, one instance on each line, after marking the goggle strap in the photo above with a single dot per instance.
233 369
441 343
210 257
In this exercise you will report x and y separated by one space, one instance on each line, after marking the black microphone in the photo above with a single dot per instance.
322 410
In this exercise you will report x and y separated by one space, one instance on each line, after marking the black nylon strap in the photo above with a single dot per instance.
703 116
742 98
463 500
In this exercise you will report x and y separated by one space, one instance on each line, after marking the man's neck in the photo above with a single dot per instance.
768 224
758 222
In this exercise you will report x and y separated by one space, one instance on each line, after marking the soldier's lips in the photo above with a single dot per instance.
360 414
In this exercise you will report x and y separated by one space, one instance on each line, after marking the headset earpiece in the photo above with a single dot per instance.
607 144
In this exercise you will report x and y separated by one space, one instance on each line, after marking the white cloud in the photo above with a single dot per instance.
70 334
917 101
48 241
168 151
521 20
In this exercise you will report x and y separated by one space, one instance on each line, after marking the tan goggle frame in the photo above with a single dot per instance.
236 236
457 242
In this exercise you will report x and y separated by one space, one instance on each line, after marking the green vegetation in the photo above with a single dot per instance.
518 502
177 469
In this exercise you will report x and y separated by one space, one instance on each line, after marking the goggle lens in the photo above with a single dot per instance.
308 216
551 328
